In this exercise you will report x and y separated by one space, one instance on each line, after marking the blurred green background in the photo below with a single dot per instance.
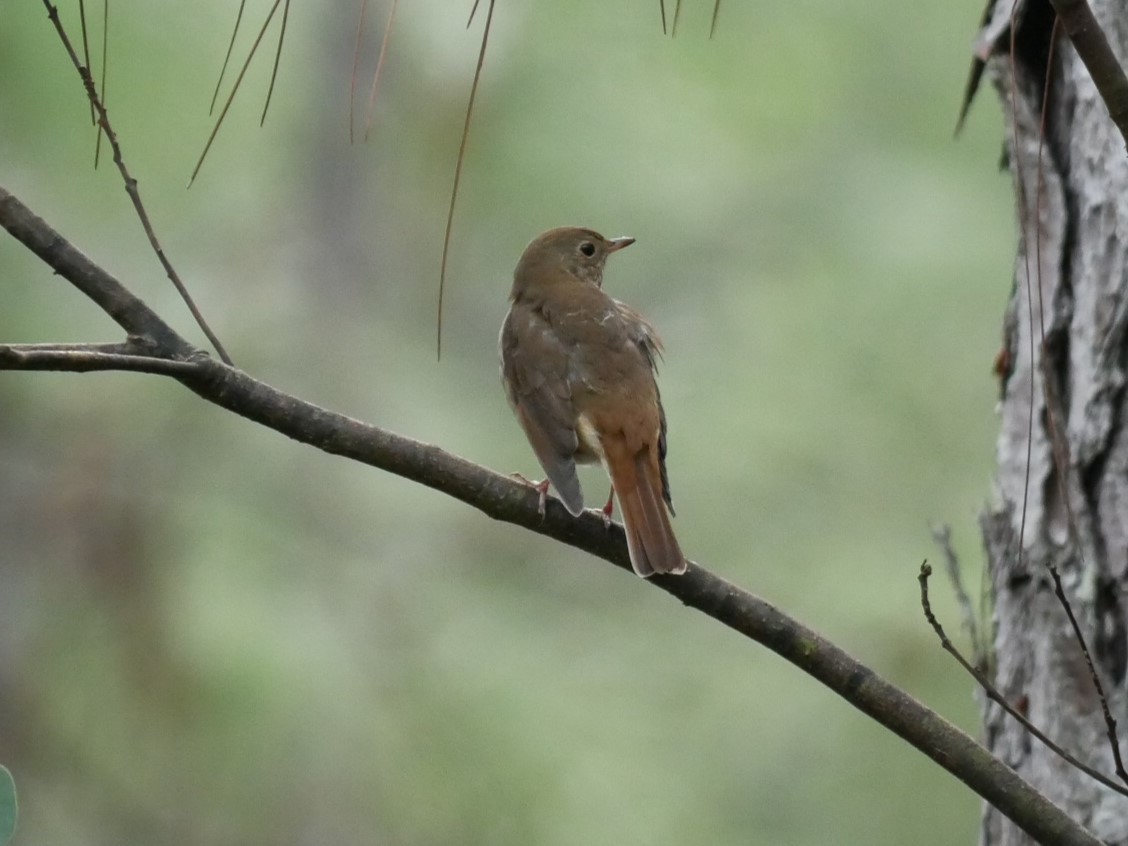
212 635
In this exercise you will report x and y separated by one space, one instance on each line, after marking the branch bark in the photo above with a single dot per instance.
1095 52
504 499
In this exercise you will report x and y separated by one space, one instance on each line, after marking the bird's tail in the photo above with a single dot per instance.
637 480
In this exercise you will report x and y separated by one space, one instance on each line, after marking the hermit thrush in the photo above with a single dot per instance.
578 368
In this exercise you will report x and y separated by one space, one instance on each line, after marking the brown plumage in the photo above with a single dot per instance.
579 368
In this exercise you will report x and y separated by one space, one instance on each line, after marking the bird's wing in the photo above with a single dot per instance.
645 337
534 368
642 334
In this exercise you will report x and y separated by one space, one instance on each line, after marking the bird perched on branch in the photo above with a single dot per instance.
579 372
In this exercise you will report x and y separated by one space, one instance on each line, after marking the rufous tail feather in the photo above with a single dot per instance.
650 537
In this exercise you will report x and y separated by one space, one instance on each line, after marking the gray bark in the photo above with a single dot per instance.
1072 210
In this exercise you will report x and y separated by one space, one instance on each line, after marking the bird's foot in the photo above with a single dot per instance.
608 509
541 488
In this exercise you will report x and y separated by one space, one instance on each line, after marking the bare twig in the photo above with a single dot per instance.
662 8
277 59
102 84
389 24
234 91
502 498
356 68
713 23
677 16
943 536
473 11
131 184
86 51
79 358
995 696
1109 720
227 56
458 175
1029 295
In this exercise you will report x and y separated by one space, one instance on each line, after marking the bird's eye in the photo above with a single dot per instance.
587 248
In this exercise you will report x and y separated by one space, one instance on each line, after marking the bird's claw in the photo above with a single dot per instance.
607 510
541 488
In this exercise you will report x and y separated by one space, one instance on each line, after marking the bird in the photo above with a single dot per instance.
579 370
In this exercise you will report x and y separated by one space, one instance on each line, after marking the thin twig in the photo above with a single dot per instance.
1110 721
388 26
1039 186
943 536
975 74
355 68
677 15
227 57
86 51
234 91
473 11
80 360
662 8
102 85
713 24
1029 296
995 696
458 177
131 184
277 59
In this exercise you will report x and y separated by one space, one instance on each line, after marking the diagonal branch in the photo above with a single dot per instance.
501 498
995 696
129 312
1088 40
131 183
1093 49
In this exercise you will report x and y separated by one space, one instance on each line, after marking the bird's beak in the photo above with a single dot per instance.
616 244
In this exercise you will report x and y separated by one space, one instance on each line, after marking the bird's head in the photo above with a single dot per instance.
567 254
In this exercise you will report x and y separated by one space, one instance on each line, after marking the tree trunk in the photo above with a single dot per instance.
1062 488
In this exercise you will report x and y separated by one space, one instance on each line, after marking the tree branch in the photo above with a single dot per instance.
1093 49
126 310
103 121
504 499
995 696
1085 34
87 358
